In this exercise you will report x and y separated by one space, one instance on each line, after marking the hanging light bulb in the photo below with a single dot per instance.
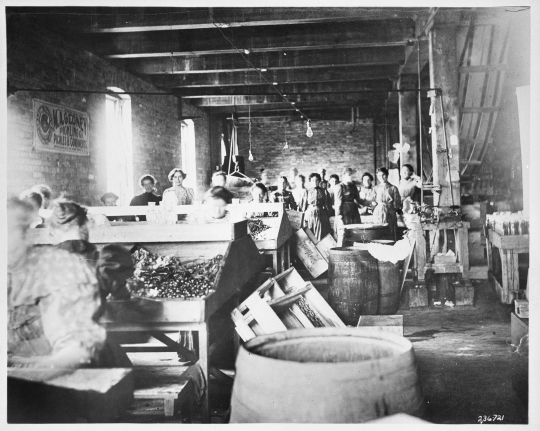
309 132
286 146
250 157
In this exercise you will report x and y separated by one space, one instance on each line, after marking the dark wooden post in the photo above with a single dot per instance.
444 75
408 118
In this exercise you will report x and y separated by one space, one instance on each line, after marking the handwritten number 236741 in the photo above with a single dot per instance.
492 418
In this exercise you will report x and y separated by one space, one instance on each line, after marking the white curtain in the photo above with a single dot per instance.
119 150
234 146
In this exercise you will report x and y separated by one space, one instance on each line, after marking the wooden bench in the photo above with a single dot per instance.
162 381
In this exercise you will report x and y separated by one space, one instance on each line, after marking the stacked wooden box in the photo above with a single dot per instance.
281 303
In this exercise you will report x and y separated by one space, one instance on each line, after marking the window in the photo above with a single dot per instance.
119 147
189 163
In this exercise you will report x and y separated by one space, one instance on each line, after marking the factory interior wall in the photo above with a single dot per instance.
333 146
504 153
38 58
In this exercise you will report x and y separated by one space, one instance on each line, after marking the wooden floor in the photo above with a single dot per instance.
464 357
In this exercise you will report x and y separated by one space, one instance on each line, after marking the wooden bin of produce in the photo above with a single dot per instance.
191 243
274 239
281 303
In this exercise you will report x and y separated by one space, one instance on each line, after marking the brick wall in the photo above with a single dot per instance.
332 146
40 59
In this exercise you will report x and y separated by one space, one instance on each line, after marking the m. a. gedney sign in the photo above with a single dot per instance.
60 129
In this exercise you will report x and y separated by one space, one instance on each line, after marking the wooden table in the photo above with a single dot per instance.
509 247
241 261
427 237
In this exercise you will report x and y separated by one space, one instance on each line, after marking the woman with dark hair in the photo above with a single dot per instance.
388 201
317 219
52 299
347 201
177 194
410 184
216 200
148 183
367 194
259 193
282 194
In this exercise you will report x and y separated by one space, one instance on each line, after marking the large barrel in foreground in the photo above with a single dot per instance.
325 375
353 281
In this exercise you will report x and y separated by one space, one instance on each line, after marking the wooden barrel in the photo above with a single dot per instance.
325 375
389 286
365 233
353 281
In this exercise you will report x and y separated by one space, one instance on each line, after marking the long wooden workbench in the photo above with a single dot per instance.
190 242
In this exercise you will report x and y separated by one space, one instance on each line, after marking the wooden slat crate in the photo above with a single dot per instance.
281 303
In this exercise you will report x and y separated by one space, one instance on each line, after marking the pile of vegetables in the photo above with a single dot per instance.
165 276
256 228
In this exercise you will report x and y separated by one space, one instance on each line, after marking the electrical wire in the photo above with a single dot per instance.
257 70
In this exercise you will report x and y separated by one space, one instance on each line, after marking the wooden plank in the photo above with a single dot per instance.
264 315
138 210
242 328
308 253
270 60
517 243
412 242
138 233
237 18
288 299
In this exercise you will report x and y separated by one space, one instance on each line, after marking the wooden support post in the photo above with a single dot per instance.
205 362
408 120
444 125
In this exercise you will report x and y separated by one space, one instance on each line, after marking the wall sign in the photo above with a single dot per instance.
60 129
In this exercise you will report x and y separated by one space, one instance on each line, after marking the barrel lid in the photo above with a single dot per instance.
366 226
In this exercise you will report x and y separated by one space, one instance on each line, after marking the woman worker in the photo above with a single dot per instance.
147 182
317 218
282 194
52 298
409 187
346 200
177 194
367 194
388 202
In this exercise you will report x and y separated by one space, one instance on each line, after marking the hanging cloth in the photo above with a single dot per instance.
223 150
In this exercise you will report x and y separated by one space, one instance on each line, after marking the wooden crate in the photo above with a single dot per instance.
281 231
281 303
308 253
522 308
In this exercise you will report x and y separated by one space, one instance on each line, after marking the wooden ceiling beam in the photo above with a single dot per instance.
305 107
299 98
209 42
293 76
159 19
381 85
268 61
